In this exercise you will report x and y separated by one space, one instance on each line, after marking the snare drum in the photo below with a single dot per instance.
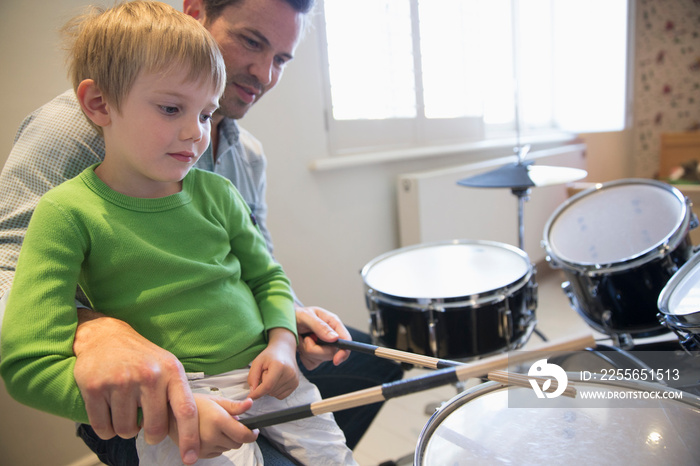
455 300
478 427
618 244
679 303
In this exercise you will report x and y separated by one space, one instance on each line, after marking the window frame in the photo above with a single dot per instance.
380 135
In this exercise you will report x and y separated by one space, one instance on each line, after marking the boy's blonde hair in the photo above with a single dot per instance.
113 46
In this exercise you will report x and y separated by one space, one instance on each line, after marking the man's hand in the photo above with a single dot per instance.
118 371
326 326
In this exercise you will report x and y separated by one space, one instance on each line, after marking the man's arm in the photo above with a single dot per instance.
53 144
117 370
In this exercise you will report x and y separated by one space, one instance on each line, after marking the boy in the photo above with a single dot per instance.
170 250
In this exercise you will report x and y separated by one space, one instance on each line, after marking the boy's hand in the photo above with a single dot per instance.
219 429
274 372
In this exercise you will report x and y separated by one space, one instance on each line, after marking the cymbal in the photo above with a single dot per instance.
524 175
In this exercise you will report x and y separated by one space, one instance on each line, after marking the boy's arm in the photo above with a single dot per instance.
263 275
274 371
40 319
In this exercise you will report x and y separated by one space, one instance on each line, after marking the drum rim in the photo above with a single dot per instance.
450 405
453 301
670 242
685 321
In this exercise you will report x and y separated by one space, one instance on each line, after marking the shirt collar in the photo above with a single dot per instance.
228 129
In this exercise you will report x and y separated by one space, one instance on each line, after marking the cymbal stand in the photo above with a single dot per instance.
523 195
522 192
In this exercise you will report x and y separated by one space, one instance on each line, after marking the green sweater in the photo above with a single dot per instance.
190 272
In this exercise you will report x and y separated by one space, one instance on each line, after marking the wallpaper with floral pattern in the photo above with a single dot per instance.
666 76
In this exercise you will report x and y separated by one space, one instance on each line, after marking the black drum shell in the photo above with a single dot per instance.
630 295
461 332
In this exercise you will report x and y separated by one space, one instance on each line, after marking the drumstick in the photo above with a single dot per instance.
392 354
511 378
405 387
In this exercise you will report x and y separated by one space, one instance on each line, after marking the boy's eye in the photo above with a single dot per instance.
205 118
168 110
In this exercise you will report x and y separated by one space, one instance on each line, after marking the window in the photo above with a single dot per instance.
406 73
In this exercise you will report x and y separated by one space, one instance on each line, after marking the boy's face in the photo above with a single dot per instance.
161 130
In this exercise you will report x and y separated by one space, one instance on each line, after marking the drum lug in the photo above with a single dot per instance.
375 321
569 292
693 222
593 289
532 301
376 326
550 260
670 266
620 340
432 331
505 328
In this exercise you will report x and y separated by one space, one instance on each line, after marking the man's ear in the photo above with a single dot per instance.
93 103
193 8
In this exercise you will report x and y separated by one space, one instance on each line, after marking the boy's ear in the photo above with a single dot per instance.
93 103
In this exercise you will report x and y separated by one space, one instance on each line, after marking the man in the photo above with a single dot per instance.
257 38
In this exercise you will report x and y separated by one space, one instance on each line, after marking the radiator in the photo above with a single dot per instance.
432 207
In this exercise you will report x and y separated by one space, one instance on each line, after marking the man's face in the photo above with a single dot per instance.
257 38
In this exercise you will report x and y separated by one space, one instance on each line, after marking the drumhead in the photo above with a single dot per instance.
478 427
615 222
680 298
446 269
685 298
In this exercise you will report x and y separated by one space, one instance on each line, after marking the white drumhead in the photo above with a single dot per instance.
484 430
685 297
615 223
446 270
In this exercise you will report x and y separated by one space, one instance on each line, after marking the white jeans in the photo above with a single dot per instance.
312 441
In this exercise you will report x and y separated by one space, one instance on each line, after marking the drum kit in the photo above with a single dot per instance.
618 244
462 307
631 273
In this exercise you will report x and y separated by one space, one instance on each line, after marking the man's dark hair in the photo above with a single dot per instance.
213 8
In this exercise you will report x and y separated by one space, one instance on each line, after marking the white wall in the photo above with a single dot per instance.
326 225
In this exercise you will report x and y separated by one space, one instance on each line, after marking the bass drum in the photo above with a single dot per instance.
618 244
679 303
478 427
452 300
